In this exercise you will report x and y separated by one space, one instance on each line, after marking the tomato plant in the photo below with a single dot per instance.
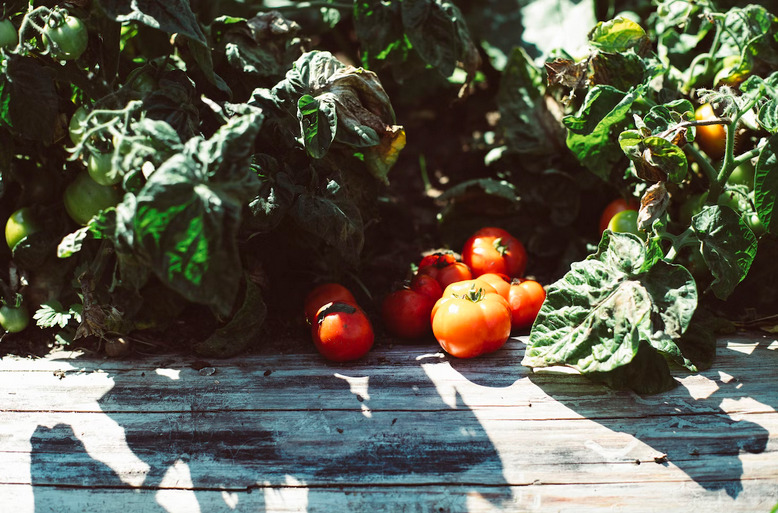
613 208
84 198
14 319
75 126
19 225
525 299
472 324
323 294
8 35
342 332
742 175
406 313
66 37
711 138
494 250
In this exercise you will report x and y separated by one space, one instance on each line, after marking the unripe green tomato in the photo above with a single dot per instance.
742 175
20 224
625 221
9 37
101 169
14 319
75 130
84 198
753 222
67 40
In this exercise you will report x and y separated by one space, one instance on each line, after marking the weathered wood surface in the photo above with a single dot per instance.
407 429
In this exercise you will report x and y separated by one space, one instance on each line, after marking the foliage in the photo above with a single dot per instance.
254 158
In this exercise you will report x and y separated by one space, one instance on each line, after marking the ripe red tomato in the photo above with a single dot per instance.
525 299
494 250
323 294
471 325
613 208
427 285
406 313
439 259
711 138
449 273
342 332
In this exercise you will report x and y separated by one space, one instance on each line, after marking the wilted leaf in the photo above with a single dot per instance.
653 205
728 246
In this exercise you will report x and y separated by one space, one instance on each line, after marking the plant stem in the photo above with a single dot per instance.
686 238
705 165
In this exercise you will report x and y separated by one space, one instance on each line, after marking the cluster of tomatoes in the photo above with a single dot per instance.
471 306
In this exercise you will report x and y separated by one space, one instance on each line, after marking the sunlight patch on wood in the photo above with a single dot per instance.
181 499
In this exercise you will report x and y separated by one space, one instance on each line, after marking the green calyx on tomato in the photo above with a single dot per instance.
8 35
66 37
84 198
100 168
20 224
14 319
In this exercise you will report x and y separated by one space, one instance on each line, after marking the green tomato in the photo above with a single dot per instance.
14 319
753 222
67 40
625 221
84 198
101 170
742 175
734 199
8 35
76 127
20 224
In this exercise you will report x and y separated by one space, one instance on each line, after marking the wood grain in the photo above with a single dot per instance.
406 429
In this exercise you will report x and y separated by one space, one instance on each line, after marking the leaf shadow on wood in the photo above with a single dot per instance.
322 435
703 435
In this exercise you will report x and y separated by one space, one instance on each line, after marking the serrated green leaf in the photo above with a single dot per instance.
766 185
608 308
728 247
618 35
318 124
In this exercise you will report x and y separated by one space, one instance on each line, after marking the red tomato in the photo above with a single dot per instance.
494 250
439 259
525 299
471 325
323 294
427 285
406 313
465 288
613 208
448 274
342 332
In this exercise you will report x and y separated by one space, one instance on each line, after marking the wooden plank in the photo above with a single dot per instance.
408 429
296 497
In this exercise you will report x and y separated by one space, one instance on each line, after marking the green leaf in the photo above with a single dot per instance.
524 118
618 35
608 308
264 46
188 214
589 130
766 184
73 242
666 156
52 313
333 218
241 330
379 28
170 17
318 124
728 247
31 99
491 187
437 31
